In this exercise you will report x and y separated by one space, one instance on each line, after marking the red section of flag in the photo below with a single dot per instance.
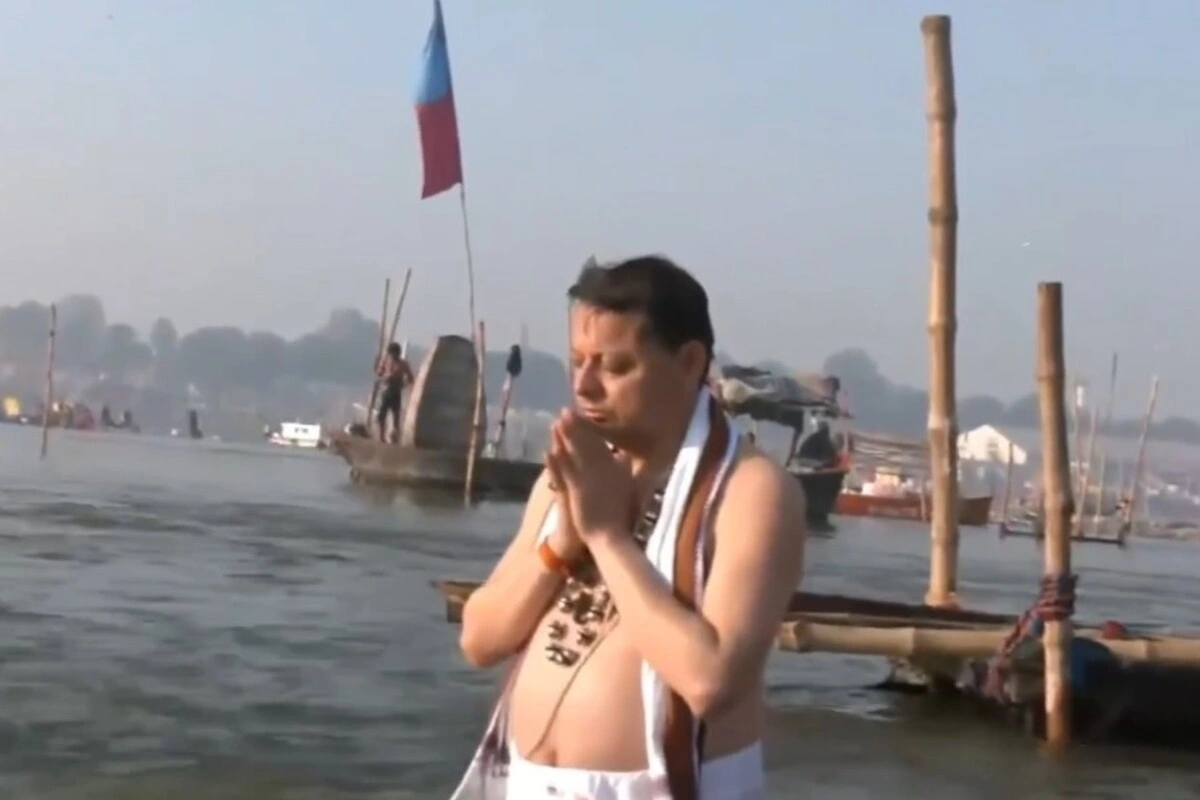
438 127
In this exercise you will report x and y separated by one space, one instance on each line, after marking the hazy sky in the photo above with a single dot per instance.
255 162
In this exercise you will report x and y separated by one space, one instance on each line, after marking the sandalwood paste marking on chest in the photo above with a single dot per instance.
586 601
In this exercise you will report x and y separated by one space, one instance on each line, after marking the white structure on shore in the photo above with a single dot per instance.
986 443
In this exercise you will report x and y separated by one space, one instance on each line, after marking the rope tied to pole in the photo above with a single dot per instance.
1055 603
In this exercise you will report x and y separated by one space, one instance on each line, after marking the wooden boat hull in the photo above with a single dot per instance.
821 490
374 462
378 463
972 511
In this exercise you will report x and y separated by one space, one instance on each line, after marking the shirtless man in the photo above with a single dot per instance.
394 374
641 345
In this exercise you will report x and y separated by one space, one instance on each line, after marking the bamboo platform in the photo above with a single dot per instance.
830 623
1134 684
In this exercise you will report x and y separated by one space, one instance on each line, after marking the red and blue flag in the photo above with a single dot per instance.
437 121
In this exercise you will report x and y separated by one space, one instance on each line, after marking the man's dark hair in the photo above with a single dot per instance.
393 350
673 302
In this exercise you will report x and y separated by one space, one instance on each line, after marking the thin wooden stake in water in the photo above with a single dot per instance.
1102 478
49 401
1008 479
387 290
477 421
1077 397
1085 475
1139 466
940 112
1058 505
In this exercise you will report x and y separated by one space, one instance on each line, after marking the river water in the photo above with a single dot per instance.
207 620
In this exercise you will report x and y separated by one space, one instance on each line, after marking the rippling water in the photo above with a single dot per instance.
220 621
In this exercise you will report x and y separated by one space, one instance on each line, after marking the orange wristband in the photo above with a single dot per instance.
552 560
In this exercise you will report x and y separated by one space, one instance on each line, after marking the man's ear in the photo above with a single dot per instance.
693 358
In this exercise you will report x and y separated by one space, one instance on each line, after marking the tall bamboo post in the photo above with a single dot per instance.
1105 429
49 399
940 112
1139 466
1056 477
477 421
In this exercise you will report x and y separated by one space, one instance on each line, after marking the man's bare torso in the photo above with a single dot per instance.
583 708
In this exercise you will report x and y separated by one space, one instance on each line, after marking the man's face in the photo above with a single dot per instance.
624 381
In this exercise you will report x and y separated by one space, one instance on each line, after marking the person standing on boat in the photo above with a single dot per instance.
643 591
395 375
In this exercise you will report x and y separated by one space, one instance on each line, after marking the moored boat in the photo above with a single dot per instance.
297 434
436 435
765 396
383 464
972 511
890 481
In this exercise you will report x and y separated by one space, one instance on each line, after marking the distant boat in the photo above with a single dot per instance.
435 435
297 434
973 511
766 396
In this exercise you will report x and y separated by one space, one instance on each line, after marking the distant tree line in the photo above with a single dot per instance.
220 360
882 405
213 358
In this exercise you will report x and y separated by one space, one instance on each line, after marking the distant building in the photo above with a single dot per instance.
986 443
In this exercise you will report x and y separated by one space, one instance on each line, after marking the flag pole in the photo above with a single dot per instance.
466 224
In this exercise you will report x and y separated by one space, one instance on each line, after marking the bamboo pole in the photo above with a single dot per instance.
1056 476
477 421
1105 429
49 400
387 289
1085 476
399 305
512 369
495 445
940 113
1139 467
960 642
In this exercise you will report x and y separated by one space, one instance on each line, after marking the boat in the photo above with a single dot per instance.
889 480
297 434
377 463
972 511
766 396
436 435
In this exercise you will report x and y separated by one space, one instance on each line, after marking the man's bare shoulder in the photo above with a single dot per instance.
760 494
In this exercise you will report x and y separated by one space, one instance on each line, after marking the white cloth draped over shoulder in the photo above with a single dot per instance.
485 776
